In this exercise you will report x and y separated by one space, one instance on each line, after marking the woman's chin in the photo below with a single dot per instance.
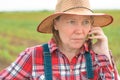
76 46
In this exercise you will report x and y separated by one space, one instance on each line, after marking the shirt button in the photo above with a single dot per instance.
70 70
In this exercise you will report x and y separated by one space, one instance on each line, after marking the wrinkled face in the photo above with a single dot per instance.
73 30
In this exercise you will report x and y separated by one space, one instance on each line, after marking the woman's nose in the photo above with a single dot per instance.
79 29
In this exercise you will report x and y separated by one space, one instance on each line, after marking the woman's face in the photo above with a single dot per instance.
73 30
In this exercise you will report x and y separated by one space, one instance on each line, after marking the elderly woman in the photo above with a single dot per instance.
70 54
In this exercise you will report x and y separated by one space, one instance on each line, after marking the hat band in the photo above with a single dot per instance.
78 7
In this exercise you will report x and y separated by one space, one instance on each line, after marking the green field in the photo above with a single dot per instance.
18 31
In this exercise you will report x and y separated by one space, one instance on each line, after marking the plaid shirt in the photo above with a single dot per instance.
30 66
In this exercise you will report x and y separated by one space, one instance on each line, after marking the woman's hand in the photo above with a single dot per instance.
101 45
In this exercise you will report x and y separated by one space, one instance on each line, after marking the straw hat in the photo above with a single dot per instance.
74 7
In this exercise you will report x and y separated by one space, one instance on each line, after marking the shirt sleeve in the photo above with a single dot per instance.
20 69
114 67
108 71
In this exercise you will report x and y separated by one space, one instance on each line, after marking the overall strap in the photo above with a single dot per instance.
89 68
47 62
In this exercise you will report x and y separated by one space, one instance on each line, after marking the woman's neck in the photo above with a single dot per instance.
69 52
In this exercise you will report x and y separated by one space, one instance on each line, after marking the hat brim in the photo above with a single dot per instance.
100 19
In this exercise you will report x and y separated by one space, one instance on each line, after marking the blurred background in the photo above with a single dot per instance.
20 18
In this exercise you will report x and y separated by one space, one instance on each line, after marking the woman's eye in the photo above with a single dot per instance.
72 22
86 22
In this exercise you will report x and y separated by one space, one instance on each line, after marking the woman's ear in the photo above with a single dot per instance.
55 24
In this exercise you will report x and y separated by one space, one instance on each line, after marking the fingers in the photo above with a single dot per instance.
97 33
96 30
